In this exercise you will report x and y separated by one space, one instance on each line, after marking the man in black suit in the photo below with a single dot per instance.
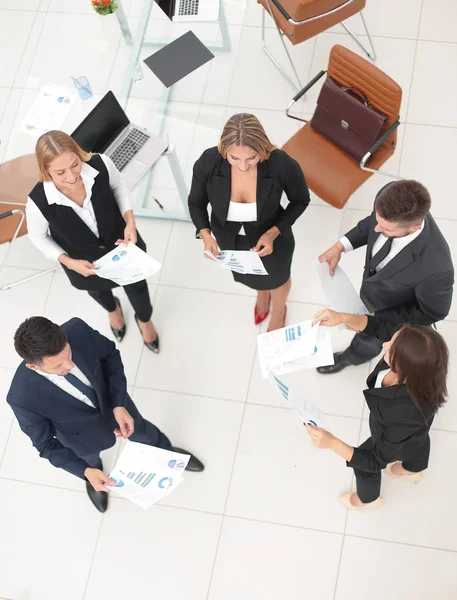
408 274
70 397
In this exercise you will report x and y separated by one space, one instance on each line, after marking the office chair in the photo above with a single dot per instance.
17 178
329 172
300 20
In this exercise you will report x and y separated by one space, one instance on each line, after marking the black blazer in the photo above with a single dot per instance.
63 428
414 287
211 184
398 429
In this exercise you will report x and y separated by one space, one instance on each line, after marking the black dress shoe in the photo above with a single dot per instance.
154 345
98 499
119 333
194 464
339 365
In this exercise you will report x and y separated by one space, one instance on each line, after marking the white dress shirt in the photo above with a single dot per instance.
397 245
242 212
66 386
38 226
380 378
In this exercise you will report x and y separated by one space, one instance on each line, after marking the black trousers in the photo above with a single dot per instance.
144 432
362 349
137 293
369 484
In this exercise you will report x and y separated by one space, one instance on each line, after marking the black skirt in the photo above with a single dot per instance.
277 264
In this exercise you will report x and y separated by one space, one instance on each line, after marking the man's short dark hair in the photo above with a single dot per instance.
38 337
405 203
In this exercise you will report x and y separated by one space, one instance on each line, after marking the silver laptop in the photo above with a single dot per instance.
190 10
107 130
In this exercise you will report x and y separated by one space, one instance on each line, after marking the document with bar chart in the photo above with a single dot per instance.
146 474
306 410
300 346
240 261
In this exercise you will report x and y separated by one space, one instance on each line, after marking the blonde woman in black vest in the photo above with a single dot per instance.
79 211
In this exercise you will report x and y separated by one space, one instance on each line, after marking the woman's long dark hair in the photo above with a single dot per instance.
420 358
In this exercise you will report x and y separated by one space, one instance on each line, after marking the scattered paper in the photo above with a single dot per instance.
48 111
307 411
240 261
341 294
146 474
126 264
300 346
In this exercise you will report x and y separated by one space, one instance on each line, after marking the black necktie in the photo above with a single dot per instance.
82 387
380 255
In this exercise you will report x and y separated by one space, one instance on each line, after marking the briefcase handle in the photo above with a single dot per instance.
357 93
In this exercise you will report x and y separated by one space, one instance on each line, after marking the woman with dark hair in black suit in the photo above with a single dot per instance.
403 394
243 180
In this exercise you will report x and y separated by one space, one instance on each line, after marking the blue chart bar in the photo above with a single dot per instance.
148 480
290 334
283 389
293 333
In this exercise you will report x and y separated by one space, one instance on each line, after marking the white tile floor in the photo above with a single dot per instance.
262 522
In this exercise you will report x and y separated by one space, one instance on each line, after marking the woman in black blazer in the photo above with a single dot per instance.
243 180
78 212
403 394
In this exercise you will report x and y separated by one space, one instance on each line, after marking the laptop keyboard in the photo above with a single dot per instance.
127 149
188 8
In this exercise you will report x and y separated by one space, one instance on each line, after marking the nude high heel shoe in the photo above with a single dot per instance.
414 477
345 499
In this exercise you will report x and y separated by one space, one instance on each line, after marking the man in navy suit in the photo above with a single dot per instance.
70 397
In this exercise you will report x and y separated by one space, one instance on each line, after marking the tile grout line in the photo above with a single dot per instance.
8 136
346 521
93 556
6 442
235 453
155 299
413 69
225 106
248 519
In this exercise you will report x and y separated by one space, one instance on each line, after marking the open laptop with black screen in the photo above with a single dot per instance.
107 130
190 10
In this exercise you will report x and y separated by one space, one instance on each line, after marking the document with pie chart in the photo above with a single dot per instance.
146 474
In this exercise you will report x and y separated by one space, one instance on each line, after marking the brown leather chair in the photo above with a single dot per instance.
329 172
17 178
300 20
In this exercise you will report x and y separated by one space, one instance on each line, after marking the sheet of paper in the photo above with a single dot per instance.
341 294
146 474
48 111
240 261
126 264
295 347
322 356
307 411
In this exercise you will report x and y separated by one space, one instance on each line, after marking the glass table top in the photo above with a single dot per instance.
109 51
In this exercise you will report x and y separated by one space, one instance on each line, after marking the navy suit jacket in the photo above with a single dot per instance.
62 428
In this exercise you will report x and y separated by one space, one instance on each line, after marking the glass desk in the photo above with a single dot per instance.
109 51
136 73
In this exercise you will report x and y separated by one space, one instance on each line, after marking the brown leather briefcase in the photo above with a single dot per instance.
346 118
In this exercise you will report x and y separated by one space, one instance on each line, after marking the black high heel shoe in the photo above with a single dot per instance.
119 333
154 345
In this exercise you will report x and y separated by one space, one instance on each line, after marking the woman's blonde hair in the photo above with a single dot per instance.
244 129
52 144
